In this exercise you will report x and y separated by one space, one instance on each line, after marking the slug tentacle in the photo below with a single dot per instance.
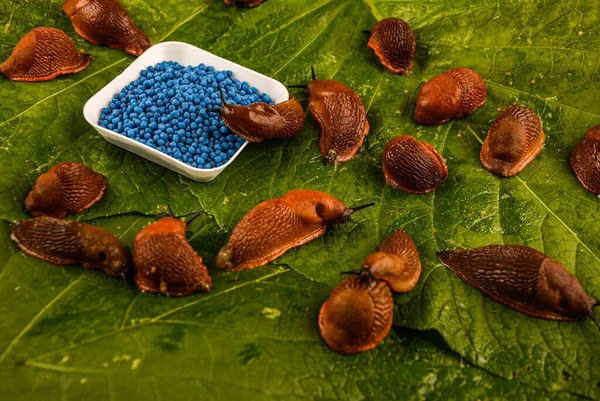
65 189
166 263
523 279
357 315
106 22
67 242
44 54
585 161
273 227
513 141
394 43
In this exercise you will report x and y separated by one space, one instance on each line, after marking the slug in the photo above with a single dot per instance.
394 43
450 95
397 262
65 188
413 166
357 315
276 225
261 121
67 242
166 263
585 161
513 141
244 3
106 22
523 279
42 55
342 116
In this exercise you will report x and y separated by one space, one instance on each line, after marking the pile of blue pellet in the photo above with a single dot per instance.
168 108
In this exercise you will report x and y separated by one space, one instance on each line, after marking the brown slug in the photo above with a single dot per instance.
106 22
244 3
166 263
523 279
413 166
276 225
44 54
394 43
67 242
453 94
261 121
513 141
65 188
357 315
585 160
342 116
397 262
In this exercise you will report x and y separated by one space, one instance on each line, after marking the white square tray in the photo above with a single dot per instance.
185 54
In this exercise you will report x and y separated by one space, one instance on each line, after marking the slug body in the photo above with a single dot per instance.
261 121
523 279
450 95
413 166
394 43
67 242
166 263
244 3
357 315
585 161
65 188
513 141
342 116
397 262
275 226
44 54
106 22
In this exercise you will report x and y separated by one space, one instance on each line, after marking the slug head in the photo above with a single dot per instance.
223 260
563 292
45 196
401 273
102 250
137 43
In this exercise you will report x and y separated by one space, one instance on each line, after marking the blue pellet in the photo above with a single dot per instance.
165 108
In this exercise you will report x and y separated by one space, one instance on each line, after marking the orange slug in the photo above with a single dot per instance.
166 263
450 95
585 160
67 242
44 54
397 262
394 43
357 315
522 279
513 141
261 121
65 188
244 3
106 22
342 116
277 225
413 166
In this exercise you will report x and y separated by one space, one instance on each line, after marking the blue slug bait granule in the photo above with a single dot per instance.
168 108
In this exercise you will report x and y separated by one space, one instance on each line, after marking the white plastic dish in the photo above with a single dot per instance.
185 54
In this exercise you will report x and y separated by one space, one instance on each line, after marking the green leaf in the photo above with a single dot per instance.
71 333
